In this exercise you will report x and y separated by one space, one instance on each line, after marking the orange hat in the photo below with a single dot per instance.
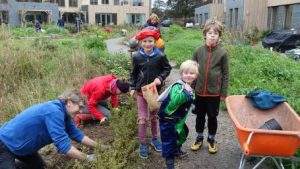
147 32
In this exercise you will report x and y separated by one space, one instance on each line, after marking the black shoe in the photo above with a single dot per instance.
170 163
181 154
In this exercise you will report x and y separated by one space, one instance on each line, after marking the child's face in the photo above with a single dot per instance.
147 44
211 37
188 76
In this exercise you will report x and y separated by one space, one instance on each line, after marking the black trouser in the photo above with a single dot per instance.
7 160
207 106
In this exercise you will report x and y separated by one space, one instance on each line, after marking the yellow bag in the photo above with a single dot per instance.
150 95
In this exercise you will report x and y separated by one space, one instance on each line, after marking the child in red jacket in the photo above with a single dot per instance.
97 91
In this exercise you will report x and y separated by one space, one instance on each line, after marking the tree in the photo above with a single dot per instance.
159 7
182 8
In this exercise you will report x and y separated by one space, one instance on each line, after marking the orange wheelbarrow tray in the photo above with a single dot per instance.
276 144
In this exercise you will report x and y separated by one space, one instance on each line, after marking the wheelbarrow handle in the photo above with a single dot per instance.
246 145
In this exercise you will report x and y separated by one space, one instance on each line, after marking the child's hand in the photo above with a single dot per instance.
116 109
132 92
223 98
188 87
103 121
157 81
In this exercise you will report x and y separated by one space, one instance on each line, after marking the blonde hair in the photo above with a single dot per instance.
154 17
72 95
189 65
213 24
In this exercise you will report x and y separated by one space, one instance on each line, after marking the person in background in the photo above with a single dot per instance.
60 23
97 91
211 84
37 26
152 21
149 65
173 113
40 125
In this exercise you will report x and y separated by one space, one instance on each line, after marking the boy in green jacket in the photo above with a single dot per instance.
211 84
176 102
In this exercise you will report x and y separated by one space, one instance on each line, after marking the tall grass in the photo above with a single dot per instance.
39 69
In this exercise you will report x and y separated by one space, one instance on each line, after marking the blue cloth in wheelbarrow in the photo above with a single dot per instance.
264 99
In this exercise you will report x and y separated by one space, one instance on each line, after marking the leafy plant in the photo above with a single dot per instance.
255 36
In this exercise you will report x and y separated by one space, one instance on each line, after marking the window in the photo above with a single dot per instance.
61 3
105 2
230 17
94 2
205 17
106 18
29 0
50 1
236 16
125 2
116 2
73 3
4 17
200 18
3 1
136 19
137 3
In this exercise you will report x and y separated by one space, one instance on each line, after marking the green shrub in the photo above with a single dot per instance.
95 42
56 30
70 27
24 32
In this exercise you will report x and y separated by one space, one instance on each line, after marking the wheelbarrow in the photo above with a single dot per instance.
265 143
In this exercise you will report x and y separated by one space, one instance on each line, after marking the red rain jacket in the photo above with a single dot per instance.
98 89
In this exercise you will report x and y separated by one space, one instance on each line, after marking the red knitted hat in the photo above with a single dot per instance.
147 32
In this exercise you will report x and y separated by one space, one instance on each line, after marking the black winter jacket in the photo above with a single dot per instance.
146 68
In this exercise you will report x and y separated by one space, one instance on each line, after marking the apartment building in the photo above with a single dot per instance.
102 12
16 12
283 14
247 15
116 11
209 9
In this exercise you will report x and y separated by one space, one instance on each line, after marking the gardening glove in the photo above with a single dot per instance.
91 157
103 121
116 110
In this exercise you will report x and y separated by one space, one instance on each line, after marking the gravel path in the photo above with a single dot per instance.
116 45
229 151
